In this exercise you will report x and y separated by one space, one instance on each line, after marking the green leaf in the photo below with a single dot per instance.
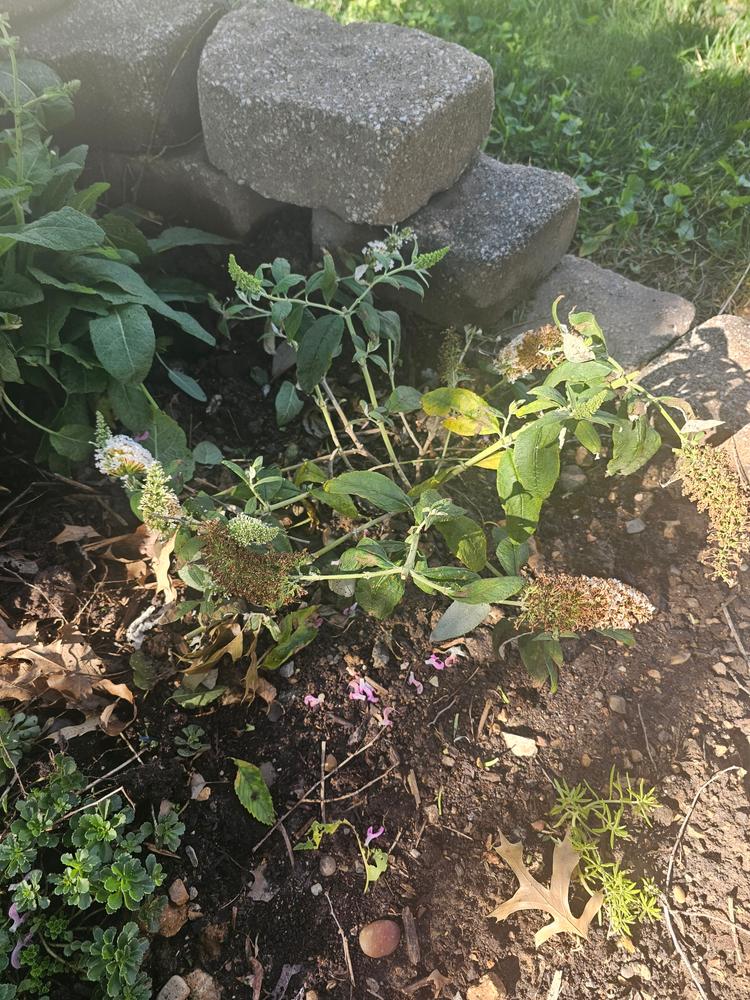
65 230
317 348
288 405
125 234
77 377
130 406
512 555
374 487
19 291
536 455
8 365
183 236
188 384
296 633
578 371
206 453
167 442
404 399
465 413
253 793
73 441
541 657
466 540
199 698
623 635
633 444
124 343
342 504
379 596
491 590
521 508
459 619
588 435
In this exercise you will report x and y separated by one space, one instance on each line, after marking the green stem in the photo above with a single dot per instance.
350 576
382 428
47 430
323 407
331 546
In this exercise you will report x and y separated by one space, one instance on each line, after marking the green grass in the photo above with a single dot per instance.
645 102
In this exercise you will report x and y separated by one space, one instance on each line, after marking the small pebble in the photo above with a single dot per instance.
618 704
635 527
174 989
191 856
586 760
178 893
680 895
380 938
287 669
316 888
268 773
327 866
330 763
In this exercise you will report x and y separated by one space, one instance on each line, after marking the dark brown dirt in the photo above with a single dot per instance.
686 686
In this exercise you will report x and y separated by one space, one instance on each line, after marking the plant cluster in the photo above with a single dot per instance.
596 824
66 857
402 450
78 295
17 734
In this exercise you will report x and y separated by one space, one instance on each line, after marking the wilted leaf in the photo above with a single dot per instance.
66 669
75 533
532 895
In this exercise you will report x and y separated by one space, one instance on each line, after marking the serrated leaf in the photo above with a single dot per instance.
536 455
288 405
253 792
491 590
124 343
374 487
317 348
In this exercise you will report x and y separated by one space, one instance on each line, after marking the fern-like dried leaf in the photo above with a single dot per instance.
532 895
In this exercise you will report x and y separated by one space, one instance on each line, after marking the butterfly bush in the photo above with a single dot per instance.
560 602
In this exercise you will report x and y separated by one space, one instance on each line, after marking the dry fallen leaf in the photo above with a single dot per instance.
65 669
532 895
76 533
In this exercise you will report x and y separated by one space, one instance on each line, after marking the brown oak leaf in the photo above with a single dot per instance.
532 895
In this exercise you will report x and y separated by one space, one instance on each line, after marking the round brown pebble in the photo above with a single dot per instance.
380 938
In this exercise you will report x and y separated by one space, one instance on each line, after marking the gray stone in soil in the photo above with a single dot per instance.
366 120
182 187
637 321
507 225
710 367
137 63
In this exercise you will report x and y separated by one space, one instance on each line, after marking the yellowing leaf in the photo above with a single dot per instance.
465 413
532 895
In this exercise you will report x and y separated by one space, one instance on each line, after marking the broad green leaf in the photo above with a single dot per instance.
309 472
491 590
633 444
466 540
380 595
8 365
125 234
374 487
187 383
73 441
296 633
43 322
206 453
18 291
342 504
512 555
459 619
77 377
465 413
288 405
253 793
199 698
167 442
521 508
183 236
578 371
124 343
588 435
317 347
130 406
541 657
536 455
65 231
404 399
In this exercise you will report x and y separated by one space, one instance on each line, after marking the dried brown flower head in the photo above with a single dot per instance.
260 577
532 352
561 602
711 481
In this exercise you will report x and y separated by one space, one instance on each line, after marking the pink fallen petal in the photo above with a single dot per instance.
15 957
435 661
373 834
314 701
386 719
414 682
16 917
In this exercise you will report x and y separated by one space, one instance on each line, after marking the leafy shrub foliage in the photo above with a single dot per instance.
78 296
549 388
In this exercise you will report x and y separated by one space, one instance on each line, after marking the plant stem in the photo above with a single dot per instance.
381 426
331 546
322 406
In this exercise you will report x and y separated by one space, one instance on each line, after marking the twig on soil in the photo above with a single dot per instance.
313 788
344 942
358 791
322 781
444 710
712 918
98 781
734 291
645 737
665 895
735 634
287 841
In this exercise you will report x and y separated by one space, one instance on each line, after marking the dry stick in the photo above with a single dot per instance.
665 895
344 942
645 736
358 791
314 787
97 781
735 634
323 781
734 291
